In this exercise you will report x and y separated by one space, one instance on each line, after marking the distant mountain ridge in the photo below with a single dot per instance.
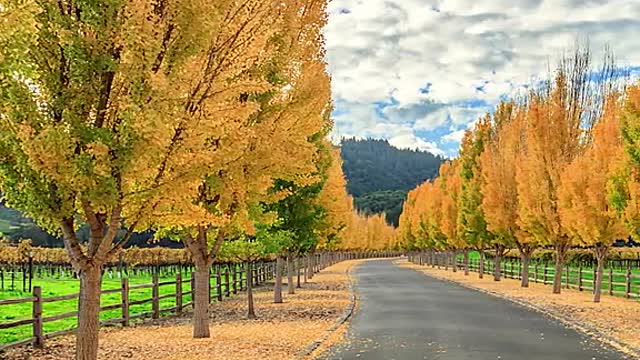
379 175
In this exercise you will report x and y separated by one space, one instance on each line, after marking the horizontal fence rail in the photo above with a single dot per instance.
227 279
615 282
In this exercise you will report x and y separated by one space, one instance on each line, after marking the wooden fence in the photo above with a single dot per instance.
227 280
619 283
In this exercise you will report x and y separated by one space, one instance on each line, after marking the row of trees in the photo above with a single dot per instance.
557 168
203 121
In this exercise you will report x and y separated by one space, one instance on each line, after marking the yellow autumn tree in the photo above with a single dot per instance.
105 108
585 208
266 135
337 204
472 224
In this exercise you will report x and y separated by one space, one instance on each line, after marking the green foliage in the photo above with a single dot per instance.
267 241
300 216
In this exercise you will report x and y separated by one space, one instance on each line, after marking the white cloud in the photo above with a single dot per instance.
411 141
468 51
455 136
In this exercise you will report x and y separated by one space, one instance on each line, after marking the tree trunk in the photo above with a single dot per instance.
251 314
201 302
298 271
601 256
481 264
497 272
290 286
561 252
277 287
310 266
89 313
525 257
304 269
466 262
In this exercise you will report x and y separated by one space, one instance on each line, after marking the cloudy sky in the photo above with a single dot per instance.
419 72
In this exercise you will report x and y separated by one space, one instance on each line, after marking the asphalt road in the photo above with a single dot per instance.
403 314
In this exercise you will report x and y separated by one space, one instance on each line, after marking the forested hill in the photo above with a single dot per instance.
380 175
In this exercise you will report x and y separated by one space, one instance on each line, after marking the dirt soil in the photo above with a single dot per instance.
614 320
282 331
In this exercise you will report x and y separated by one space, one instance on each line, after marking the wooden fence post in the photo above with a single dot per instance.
155 291
628 287
178 293
544 281
243 278
228 282
234 276
38 334
567 275
125 301
255 271
218 285
535 273
580 278
610 280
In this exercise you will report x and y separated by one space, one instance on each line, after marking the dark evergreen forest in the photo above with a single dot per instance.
380 175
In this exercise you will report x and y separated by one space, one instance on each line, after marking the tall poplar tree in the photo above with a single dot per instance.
559 120
500 202
471 218
451 187
585 208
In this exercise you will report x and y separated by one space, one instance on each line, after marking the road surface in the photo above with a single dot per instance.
403 314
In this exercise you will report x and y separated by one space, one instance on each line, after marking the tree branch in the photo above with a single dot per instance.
78 259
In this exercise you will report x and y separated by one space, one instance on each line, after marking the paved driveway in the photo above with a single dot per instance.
404 314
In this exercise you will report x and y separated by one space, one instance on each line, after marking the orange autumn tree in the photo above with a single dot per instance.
585 208
451 186
415 220
407 223
500 202
559 119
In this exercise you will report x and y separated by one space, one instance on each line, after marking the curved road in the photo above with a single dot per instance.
403 314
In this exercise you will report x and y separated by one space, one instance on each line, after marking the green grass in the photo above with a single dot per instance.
57 287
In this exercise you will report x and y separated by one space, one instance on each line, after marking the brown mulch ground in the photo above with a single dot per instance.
280 332
617 318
